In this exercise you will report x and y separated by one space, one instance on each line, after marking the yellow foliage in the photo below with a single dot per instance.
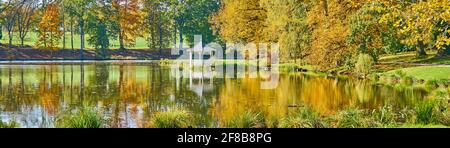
49 28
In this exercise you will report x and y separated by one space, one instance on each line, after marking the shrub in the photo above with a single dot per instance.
172 118
247 119
364 64
81 118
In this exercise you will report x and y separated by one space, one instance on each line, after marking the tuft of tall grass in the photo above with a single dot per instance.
386 115
273 122
81 118
441 113
303 117
354 118
12 124
424 112
172 118
247 119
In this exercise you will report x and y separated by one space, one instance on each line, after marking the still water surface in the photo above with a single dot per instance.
129 95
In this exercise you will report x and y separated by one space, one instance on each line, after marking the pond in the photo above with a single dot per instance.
129 94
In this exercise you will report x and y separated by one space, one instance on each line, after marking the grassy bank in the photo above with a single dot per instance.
426 73
434 113
32 38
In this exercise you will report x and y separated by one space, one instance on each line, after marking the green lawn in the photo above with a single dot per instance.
410 57
426 72
32 37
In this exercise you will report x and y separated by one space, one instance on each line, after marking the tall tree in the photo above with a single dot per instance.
49 27
100 26
329 22
192 19
158 22
79 8
10 15
130 19
1 20
286 24
25 18
242 21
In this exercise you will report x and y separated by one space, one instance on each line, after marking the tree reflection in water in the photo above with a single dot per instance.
129 95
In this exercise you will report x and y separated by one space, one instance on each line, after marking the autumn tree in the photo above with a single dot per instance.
26 14
286 25
329 21
422 24
9 17
130 19
49 28
242 21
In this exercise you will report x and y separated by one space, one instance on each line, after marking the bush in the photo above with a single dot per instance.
12 124
81 118
173 118
364 64
304 117
247 119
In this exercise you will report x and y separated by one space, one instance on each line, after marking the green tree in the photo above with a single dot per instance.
191 18
366 33
159 23
78 9
98 26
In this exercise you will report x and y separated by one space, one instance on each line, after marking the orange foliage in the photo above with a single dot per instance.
49 27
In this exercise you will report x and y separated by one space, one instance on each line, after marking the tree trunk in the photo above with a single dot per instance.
421 50
64 31
71 33
160 35
1 32
181 40
81 38
10 39
122 46
444 52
